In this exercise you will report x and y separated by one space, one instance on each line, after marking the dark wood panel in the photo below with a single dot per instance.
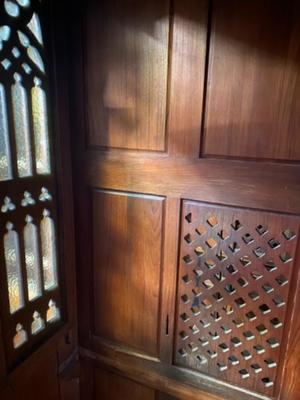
238 183
69 389
126 73
86 378
109 386
68 342
2 358
37 381
253 107
187 70
46 373
69 374
127 241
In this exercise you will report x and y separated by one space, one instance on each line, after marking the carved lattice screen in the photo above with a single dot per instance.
234 277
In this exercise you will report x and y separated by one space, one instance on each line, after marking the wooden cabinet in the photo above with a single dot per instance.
183 119
187 196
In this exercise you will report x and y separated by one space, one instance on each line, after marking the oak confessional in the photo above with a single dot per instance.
149 199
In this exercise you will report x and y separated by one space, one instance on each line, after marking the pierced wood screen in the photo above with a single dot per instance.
234 279
29 277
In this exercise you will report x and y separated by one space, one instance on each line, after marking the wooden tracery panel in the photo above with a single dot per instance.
31 301
234 278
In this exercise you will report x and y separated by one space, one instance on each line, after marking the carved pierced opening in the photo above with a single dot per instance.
233 291
38 324
53 312
8 205
20 337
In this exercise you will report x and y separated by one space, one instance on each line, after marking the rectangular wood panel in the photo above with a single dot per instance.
187 72
109 386
127 241
126 73
253 92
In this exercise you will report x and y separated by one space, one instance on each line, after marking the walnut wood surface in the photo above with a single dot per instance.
253 106
231 117
126 73
127 242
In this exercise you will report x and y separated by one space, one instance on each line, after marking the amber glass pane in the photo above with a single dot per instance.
20 337
32 259
38 324
48 251
40 126
13 269
5 162
21 123
53 313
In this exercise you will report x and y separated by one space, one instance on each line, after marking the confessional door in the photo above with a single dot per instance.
38 334
187 197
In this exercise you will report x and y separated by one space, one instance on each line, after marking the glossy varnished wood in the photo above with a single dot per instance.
126 73
253 90
186 77
182 383
127 243
169 275
198 58
226 182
